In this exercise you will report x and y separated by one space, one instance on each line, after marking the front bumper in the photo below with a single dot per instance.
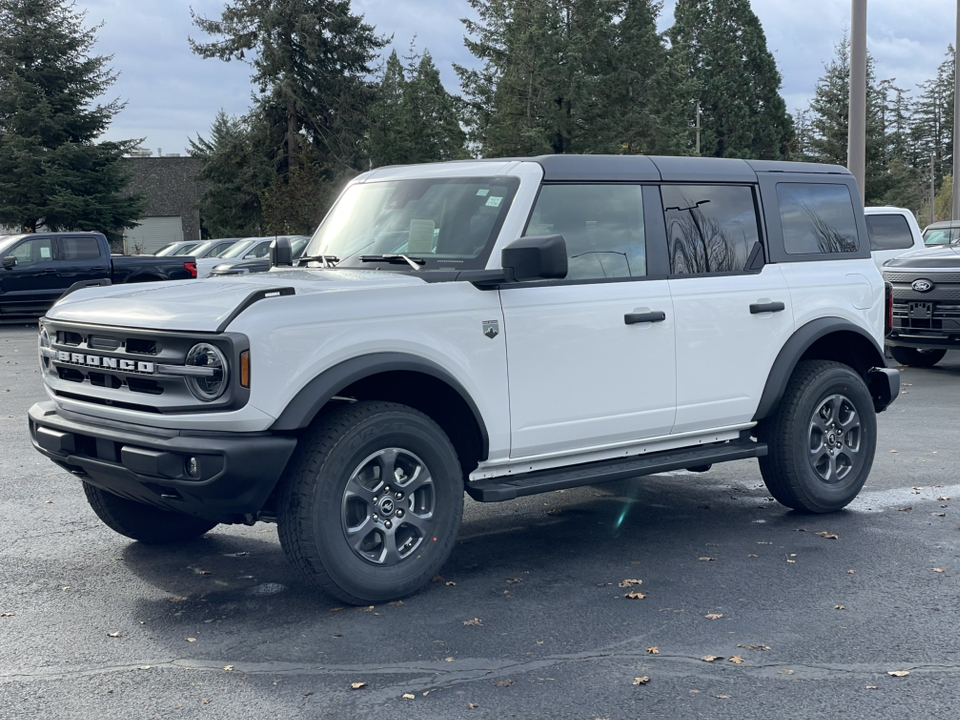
233 476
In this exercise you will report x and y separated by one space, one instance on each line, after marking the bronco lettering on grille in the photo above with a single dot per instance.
106 363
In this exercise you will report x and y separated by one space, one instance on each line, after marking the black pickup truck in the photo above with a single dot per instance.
38 268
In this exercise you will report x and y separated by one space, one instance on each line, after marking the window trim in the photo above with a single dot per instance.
777 249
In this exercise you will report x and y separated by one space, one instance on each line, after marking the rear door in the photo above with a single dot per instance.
733 312
82 257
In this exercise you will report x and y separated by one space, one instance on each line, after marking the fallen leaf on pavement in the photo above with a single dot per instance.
449 659
114 634
641 680
736 660
723 697
714 616
851 572
630 583
711 658
707 559
940 570
191 639
515 581
653 650
828 536
408 696
475 621
357 685
763 648
635 595
898 673
839 607
472 706
228 668
786 672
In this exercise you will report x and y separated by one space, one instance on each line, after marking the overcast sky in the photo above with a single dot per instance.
173 95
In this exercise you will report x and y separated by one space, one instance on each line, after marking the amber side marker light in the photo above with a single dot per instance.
245 369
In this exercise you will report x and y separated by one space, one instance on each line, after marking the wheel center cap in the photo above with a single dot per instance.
387 506
832 439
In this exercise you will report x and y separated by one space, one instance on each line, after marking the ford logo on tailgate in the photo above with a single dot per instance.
922 285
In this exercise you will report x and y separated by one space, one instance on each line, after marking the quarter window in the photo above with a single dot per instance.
710 228
817 219
602 226
888 232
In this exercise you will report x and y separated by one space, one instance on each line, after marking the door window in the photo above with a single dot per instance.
601 224
710 228
30 252
80 248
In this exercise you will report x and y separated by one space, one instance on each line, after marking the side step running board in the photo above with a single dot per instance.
514 486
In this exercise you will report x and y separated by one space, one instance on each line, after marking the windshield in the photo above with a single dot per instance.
940 236
449 223
7 242
238 249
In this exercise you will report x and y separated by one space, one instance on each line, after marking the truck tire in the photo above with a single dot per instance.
142 522
821 438
370 505
917 357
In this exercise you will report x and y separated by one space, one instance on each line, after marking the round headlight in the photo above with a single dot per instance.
43 343
211 385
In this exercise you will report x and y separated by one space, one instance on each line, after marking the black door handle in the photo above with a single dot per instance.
634 318
757 308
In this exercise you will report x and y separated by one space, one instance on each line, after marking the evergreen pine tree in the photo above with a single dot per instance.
432 123
932 132
53 173
722 49
387 141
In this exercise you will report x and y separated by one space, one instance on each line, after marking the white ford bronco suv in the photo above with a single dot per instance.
504 327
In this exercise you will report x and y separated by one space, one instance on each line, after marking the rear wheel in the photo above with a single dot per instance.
144 522
917 357
821 439
370 506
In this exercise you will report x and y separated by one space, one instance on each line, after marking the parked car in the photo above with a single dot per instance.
501 328
246 249
39 267
893 231
180 247
258 265
945 232
213 248
926 305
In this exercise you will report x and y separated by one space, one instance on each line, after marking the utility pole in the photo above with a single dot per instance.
857 131
956 128
698 117
933 188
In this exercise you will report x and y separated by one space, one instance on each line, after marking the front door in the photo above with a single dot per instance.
32 285
591 362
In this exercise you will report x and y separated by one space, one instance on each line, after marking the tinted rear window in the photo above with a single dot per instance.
817 219
889 232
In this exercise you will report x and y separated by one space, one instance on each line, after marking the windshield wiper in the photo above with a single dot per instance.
399 259
328 261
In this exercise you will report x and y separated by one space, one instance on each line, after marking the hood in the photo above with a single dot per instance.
204 305
945 256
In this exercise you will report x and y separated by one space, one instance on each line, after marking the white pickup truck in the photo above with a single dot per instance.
893 232
500 327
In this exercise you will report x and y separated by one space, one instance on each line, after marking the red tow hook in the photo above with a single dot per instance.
190 267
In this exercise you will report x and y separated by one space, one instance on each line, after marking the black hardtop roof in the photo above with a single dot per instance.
653 168
942 225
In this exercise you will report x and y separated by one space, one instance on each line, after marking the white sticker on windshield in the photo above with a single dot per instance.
483 192
494 201
45 252
421 236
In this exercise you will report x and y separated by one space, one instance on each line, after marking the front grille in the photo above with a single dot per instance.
133 369
930 317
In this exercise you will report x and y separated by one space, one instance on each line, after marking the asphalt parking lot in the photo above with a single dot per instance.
803 616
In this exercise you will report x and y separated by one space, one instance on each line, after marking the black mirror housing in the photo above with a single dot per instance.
538 257
9 262
281 253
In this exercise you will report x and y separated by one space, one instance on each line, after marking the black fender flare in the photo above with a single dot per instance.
305 405
798 344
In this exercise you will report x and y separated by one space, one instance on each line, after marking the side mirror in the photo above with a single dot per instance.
9 262
538 257
280 252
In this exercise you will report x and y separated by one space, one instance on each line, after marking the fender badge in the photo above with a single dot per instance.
491 328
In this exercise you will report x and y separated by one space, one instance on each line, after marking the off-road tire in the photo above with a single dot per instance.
331 510
826 407
145 523
917 357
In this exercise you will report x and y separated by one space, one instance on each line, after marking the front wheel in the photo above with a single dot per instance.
370 507
821 439
142 522
917 357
